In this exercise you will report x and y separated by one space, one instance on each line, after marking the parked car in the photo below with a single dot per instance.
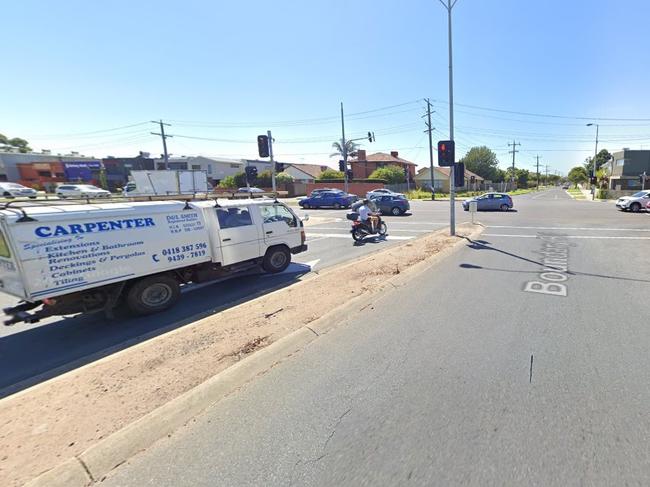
380 191
81 191
13 190
490 201
634 203
565 186
393 204
252 189
332 199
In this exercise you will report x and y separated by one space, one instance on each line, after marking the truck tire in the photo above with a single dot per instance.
153 294
276 259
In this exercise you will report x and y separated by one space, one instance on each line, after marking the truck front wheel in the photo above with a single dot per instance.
153 294
276 259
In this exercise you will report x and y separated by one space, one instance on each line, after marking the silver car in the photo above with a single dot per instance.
634 203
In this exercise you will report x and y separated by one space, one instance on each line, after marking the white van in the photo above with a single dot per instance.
68 258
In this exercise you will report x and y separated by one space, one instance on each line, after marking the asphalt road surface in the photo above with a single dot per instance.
479 372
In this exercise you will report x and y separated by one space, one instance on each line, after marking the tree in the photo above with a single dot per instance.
331 174
390 174
482 161
603 157
16 143
577 175
350 146
521 176
283 178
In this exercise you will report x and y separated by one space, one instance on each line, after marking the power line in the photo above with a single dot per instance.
544 115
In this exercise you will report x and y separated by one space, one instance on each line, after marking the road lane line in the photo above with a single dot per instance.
347 235
574 228
392 229
592 237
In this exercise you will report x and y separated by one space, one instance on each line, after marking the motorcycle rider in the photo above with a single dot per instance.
367 214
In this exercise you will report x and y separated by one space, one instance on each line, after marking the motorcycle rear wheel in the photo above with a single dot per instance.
357 235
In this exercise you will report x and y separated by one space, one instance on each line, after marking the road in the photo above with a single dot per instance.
60 344
461 377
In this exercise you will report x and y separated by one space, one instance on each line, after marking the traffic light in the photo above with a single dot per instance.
593 180
446 153
251 174
342 165
349 173
263 145
459 175
371 136
279 167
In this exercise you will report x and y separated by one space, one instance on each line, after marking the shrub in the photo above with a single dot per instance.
330 174
283 178
228 183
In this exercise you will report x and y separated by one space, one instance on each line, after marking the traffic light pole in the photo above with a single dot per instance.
268 133
452 186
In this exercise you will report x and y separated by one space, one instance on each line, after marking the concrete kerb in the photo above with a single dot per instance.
96 462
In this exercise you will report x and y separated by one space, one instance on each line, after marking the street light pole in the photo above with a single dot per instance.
593 169
344 147
452 187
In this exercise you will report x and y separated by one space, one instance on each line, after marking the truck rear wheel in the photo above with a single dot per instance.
153 294
276 259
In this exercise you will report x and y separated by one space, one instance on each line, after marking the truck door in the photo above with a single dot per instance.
239 236
280 226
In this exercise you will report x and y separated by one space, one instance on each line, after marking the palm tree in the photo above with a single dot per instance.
350 146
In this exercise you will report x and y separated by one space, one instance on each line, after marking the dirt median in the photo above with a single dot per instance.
51 422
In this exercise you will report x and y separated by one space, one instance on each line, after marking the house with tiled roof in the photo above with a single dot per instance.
305 172
441 179
364 164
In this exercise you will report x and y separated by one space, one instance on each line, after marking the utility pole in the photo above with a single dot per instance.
429 130
546 172
164 140
513 151
593 167
344 147
538 174
452 186
268 133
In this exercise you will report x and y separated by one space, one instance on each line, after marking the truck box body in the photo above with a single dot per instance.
54 250
76 247
168 183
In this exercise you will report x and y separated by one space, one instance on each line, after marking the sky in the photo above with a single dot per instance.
91 76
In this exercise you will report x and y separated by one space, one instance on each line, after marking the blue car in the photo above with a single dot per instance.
327 199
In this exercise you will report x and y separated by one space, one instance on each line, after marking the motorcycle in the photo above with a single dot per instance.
361 230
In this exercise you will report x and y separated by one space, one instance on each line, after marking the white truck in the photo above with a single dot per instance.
62 259
172 182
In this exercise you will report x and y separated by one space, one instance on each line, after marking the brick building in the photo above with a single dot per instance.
364 165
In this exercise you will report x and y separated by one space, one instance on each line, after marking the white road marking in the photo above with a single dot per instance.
565 236
391 229
312 263
575 228
347 235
